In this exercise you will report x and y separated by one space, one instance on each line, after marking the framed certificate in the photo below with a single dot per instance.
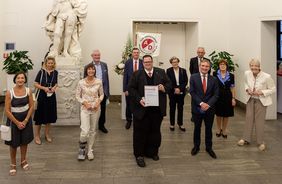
151 96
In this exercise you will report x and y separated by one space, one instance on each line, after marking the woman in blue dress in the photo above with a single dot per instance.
46 112
226 101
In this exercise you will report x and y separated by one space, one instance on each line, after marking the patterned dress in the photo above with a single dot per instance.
19 109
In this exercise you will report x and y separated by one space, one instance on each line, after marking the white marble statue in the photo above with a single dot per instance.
63 25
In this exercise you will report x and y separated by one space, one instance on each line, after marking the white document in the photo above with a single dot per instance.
151 96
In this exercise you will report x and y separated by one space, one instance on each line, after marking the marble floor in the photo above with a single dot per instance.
114 162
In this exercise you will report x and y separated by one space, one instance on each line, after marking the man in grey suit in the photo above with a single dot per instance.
102 74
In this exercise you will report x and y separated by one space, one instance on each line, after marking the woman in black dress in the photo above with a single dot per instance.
46 112
19 108
226 101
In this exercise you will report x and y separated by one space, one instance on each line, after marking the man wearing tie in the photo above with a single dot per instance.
147 119
102 74
195 61
131 66
204 94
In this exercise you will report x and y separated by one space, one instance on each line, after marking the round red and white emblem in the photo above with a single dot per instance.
148 45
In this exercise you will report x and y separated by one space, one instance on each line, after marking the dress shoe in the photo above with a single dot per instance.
140 161
182 128
171 128
128 125
242 142
103 129
211 153
156 157
224 136
218 134
195 151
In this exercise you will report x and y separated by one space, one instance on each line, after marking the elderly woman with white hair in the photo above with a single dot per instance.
259 87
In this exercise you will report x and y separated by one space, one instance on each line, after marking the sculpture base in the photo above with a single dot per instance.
68 109
66 61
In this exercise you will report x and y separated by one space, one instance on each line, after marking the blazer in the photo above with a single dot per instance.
128 71
264 82
197 92
194 65
183 79
105 77
136 91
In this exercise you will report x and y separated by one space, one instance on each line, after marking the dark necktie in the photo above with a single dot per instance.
135 66
204 84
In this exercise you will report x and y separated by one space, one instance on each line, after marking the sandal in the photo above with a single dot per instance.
37 141
48 139
13 170
25 165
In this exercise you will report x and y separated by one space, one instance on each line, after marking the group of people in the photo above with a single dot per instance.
93 92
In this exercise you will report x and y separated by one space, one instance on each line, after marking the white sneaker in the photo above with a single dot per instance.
81 154
90 155
262 147
242 142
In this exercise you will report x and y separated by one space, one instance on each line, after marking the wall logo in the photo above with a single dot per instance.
149 43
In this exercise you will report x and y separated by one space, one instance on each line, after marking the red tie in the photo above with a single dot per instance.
150 74
135 66
204 84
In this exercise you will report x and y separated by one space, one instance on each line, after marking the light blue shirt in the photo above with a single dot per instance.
98 71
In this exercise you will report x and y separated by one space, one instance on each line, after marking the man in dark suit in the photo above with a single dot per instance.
204 94
147 119
179 80
195 61
131 66
102 74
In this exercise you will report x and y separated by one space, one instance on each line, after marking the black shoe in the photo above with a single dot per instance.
211 153
156 157
224 136
128 125
103 129
182 128
219 134
140 161
195 151
171 128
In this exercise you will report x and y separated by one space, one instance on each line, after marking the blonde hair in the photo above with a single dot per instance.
49 58
254 61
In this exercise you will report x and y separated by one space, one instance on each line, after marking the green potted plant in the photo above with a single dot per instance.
216 56
17 61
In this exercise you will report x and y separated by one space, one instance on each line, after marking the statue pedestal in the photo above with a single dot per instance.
68 109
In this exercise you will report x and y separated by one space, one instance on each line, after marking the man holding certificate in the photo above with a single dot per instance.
147 89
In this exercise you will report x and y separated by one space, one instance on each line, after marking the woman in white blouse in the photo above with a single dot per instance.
89 94
259 87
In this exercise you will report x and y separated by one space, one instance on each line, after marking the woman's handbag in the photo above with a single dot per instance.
5 131
35 97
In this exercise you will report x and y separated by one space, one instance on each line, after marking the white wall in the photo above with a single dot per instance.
223 25
246 37
108 24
